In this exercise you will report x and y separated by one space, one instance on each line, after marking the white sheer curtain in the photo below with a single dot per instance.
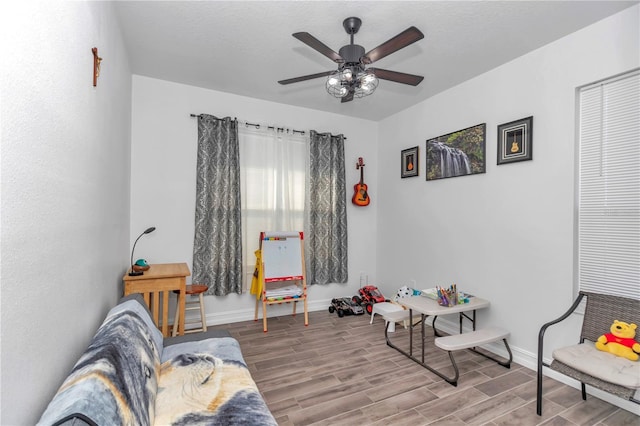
272 179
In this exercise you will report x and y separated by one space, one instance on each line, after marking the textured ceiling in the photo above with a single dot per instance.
244 47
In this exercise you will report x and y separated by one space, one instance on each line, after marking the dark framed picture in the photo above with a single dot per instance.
457 154
409 162
515 141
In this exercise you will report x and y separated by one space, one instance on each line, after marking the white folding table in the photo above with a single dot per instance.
426 307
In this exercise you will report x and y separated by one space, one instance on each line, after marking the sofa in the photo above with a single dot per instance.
130 375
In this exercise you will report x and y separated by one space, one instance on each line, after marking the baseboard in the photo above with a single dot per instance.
525 358
240 315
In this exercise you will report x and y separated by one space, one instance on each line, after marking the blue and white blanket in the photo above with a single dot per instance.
209 386
126 377
116 379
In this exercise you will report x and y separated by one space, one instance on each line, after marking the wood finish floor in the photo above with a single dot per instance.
339 371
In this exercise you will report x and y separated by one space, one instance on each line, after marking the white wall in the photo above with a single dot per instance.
65 191
65 166
507 235
163 180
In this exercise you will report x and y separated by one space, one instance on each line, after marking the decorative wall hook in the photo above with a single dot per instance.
96 66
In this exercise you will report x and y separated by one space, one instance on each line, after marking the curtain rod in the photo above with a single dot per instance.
257 126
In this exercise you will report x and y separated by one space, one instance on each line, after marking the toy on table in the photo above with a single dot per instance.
141 265
448 297
620 341
405 291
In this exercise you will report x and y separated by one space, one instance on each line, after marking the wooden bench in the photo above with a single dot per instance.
582 361
472 339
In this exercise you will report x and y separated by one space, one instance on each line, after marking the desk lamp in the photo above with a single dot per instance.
133 273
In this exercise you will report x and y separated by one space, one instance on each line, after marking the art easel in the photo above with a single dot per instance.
281 262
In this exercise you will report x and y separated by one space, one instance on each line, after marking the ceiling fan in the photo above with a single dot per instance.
352 78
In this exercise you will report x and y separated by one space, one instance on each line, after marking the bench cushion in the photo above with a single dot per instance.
470 339
602 365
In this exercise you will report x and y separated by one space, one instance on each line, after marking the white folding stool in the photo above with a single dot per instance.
383 308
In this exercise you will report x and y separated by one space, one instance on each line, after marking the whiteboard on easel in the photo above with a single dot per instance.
281 255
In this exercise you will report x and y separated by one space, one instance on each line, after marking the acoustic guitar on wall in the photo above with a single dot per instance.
360 196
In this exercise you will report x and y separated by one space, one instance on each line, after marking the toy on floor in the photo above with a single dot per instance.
368 295
345 306
620 341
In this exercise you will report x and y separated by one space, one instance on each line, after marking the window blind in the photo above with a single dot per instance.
609 186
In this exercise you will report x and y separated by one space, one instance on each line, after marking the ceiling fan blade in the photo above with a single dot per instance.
404 39
398 77
316 44
347 98
306 77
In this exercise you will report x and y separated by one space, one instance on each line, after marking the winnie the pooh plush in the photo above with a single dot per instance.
620 341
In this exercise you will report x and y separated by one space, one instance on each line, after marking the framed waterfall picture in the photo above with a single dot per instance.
514 141
459 153
409 162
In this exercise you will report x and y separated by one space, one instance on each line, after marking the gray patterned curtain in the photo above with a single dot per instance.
327 225
217 244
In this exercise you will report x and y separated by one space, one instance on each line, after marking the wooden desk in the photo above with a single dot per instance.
161 279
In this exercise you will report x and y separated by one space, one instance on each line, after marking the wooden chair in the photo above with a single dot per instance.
600 312
192 290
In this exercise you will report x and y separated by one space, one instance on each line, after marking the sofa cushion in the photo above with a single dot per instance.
207 382
194 337
138 298
226 348
135 303
602 365
115 380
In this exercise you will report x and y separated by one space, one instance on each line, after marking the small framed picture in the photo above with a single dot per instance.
515 141
409 162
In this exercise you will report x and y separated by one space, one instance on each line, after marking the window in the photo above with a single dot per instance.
272 177
609 186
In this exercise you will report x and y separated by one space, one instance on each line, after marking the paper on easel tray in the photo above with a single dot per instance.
285 291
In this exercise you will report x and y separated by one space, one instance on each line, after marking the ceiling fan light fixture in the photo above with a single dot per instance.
336 87
366 88
367 84
352 79
369 78
362 84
